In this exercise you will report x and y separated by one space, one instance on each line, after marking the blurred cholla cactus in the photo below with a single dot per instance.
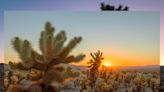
52 47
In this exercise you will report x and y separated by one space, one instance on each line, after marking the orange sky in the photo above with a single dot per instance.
125 60
114 59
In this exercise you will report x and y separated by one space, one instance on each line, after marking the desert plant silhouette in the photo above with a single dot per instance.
94 65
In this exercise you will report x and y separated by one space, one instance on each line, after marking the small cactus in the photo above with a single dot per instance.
94 65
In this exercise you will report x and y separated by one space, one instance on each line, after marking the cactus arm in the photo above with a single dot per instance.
67 60
41 42
37 64
59 42
20 66
71 59
71 45
79 57
46 41
17 42
23 49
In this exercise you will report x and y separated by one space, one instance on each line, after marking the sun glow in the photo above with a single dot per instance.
106 63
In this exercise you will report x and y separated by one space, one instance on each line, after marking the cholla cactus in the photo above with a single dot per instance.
94 65
52 48
53 53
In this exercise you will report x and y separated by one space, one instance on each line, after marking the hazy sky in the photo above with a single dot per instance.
126 38
78 5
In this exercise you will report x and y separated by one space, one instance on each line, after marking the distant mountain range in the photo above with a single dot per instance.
148 68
